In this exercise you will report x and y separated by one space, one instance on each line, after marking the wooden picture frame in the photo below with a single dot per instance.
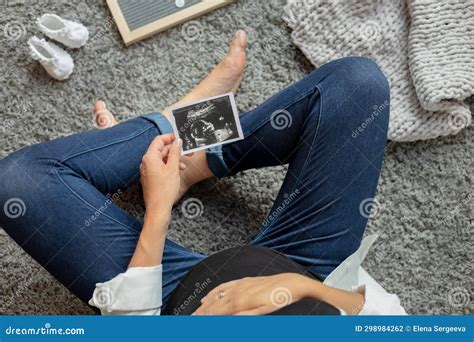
182 15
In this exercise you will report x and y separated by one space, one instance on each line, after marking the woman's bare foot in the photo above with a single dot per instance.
103 118
225 78
228 74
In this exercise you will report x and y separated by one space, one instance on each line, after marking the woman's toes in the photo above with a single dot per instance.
99 105
103 118
238 43
236 55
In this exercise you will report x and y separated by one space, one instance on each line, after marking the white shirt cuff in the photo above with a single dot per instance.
379 302
136 291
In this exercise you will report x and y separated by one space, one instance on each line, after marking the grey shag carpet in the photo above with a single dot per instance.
424 253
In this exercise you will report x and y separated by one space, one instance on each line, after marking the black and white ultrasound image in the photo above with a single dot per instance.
206 123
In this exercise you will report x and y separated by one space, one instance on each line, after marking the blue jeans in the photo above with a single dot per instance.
330 127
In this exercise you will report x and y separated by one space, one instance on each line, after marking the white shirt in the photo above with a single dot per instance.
138 291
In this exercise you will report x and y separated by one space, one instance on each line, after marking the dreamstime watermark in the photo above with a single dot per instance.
284 204
199 110
14 208
280 297
192 30
198 289
101 32
460 232
192 208
458 121
281 119
110 199
370 31
19 291
103 118
377 110
14 30
280 34
459 297
47 329
369 207
103 297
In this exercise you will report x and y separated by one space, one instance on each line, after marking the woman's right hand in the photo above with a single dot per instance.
159 172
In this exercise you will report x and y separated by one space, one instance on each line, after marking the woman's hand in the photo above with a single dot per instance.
254 296
262 295
159 172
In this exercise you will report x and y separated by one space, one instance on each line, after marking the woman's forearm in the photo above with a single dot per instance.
150 245
350 302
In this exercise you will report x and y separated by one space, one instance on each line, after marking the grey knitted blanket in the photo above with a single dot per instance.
424 47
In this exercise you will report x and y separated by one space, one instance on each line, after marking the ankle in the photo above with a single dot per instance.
197 168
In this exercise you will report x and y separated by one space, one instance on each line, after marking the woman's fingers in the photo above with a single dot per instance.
160 142
165 150
174 154
156 145
167 138
213 295
218 301
159 147
221 307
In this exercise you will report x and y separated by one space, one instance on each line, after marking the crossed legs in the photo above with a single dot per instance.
333 166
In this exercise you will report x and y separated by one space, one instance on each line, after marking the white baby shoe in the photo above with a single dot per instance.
57 62
70 33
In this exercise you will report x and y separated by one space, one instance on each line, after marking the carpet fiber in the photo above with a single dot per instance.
424 253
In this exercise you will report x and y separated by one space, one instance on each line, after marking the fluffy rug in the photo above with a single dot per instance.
425 190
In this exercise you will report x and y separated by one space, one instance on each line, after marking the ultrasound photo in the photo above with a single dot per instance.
210 122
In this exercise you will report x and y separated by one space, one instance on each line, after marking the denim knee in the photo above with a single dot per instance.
359 78
12 203
20 174
358 72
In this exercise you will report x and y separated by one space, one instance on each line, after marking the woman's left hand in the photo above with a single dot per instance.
254 295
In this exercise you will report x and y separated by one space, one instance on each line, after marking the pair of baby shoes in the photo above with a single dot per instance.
57 62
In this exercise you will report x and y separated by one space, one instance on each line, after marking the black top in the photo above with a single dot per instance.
236 263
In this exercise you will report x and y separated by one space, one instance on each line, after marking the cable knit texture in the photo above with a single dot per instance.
424 47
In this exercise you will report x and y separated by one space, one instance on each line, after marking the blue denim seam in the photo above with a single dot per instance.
215 161
316 134
55 163
151 125
86 202
265 120
218 153
160 121
190 252
109 217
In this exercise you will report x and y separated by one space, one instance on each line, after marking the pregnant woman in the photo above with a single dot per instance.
56 202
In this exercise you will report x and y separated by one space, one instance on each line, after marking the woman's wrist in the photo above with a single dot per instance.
150 245
307 287
160 213
350 302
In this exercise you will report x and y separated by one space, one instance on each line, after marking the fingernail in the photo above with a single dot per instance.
179 142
